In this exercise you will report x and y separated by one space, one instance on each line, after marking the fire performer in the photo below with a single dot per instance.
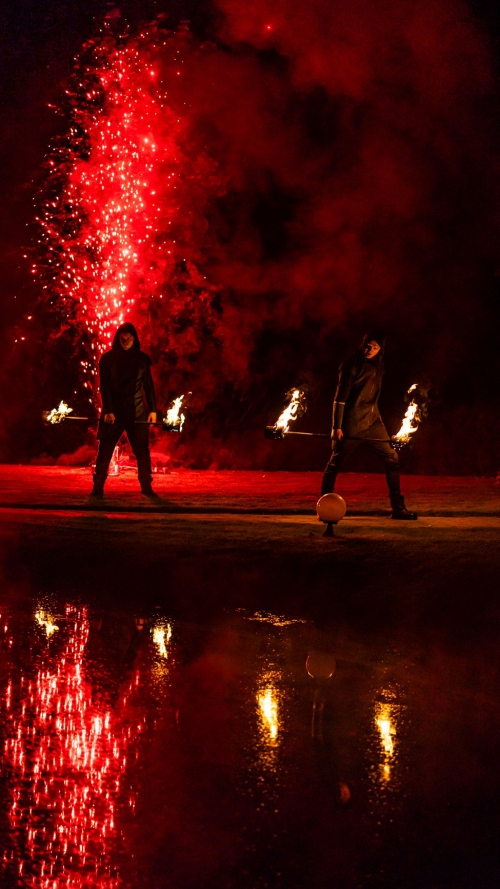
356 416
125 378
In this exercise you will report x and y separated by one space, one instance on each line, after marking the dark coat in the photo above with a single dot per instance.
125 378
355 407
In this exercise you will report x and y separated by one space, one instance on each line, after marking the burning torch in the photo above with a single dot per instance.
296 406
173 421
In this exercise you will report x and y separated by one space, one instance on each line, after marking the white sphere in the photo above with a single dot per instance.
331 508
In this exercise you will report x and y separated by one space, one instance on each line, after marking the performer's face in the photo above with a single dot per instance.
371 349
127 340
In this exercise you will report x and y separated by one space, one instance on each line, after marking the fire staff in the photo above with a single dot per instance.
125 380
356 416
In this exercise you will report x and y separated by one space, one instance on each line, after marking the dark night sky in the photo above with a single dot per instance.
37 44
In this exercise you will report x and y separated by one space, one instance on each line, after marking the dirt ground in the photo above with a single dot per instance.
279 493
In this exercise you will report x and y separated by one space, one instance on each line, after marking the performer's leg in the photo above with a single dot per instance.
341 450
138 436
392 471
109 436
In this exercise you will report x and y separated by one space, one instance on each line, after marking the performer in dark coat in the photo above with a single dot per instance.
356 416
125 378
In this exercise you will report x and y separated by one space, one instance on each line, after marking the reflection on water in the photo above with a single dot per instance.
385 720
268 704
276 620
227 769
65 757
388 719
45 620
162 634
162 637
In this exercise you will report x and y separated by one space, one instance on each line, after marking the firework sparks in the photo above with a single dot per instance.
111 190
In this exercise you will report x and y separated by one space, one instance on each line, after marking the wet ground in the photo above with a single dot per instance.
214 700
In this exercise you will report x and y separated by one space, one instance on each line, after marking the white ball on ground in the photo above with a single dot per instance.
331 508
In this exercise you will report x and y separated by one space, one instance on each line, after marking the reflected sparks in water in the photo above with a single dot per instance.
65 757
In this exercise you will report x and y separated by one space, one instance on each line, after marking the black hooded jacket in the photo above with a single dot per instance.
355 407
125 378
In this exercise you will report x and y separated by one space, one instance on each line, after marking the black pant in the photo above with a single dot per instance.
344 448
109 435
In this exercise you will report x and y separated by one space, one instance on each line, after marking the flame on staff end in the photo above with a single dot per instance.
416 411
295 407
57 415
175 418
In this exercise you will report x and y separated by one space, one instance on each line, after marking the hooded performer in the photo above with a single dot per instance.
356 416
125 379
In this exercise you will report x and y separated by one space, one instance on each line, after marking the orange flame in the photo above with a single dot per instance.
295 408
411 420
174 415
57 415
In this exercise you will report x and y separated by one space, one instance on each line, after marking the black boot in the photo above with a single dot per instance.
98 487
147 490
399 510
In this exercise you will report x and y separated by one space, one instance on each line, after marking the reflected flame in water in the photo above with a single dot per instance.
44 619
161 637
160 669
65 758
268 706
269 717
385 720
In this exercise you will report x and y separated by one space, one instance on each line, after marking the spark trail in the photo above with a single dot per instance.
106 246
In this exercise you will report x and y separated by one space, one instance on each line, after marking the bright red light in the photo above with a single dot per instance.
115 185
66 758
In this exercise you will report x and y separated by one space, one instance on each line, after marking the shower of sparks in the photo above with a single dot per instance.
295 407
110 199
65 759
